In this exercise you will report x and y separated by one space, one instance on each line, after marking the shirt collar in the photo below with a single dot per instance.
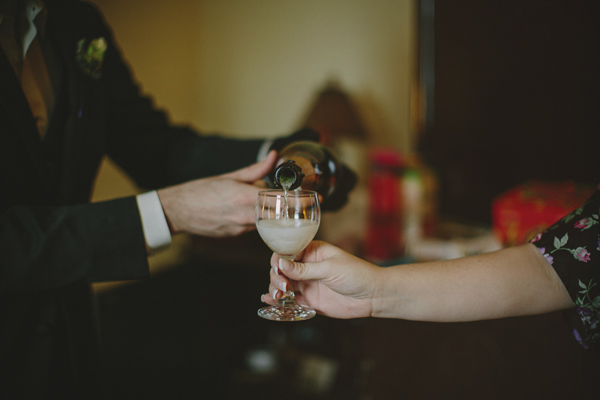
35 16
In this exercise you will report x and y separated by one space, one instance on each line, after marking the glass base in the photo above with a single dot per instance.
287 313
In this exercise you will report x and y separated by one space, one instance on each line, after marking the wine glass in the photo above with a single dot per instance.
287 222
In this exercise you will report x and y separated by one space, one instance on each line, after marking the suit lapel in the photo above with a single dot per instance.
72 132
65 47
15 105
23 149
18 131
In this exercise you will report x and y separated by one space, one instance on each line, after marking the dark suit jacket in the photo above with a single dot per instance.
53 242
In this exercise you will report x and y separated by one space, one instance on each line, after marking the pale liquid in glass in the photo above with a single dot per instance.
287 237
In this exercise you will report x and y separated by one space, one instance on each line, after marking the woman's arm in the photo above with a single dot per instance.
510 282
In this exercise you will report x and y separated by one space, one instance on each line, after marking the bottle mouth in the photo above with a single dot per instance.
289 175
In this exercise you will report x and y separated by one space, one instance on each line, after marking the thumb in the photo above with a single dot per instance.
255 171
300 271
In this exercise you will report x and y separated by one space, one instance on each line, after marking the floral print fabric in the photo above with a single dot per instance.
572 246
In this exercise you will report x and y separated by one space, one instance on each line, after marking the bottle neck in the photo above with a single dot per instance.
289 175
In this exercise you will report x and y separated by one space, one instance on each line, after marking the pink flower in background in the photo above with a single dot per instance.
584 223
581 254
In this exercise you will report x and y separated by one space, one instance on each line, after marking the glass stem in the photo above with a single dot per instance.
289 298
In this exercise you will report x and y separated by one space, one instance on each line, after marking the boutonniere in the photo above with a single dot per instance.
90 55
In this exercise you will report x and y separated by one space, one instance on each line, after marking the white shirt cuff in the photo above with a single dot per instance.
154 222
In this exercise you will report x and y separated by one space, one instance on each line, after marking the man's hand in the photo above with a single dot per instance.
218 206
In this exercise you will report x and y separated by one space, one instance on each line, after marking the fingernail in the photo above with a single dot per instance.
275 268
273 293
284 286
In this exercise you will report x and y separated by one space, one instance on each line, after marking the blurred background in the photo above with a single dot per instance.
451 105
256 68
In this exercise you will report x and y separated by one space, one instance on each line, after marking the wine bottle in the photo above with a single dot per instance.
310 166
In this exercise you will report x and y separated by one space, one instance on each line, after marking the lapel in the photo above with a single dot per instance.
65 43
20 139
78 133
67 25
15 107
19 135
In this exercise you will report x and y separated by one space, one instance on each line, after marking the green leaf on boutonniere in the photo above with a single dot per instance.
90 55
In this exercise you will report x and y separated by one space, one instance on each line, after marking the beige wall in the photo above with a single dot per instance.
253 67
246 67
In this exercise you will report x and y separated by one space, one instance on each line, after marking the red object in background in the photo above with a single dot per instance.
384 230
525 210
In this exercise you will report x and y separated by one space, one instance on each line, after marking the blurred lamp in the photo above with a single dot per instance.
334 116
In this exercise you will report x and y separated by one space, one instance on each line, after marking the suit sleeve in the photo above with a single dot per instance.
48 247
154 152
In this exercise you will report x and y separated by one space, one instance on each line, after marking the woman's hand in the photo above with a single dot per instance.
326 278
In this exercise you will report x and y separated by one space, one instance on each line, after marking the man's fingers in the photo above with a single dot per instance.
255 171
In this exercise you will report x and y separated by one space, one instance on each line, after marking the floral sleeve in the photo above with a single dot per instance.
572 246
